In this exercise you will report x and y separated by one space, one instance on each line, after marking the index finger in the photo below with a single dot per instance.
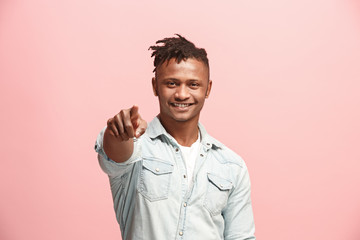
134 111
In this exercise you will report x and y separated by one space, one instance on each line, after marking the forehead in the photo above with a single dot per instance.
189 68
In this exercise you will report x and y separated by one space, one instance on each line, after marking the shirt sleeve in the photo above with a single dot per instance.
238 214
110 167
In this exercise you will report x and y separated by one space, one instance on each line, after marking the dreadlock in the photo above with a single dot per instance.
179 48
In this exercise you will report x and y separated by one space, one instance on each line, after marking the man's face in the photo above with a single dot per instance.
182 89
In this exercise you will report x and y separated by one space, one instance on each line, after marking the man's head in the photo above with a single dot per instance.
181 79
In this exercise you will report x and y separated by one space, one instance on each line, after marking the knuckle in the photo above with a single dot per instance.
114 131
128 126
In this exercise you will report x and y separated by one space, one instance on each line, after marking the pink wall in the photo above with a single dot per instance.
285 97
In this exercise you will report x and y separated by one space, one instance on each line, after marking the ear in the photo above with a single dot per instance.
208 90
154 86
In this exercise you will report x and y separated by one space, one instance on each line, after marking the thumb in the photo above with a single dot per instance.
140 130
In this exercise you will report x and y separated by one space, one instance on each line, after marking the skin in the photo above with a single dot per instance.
175 83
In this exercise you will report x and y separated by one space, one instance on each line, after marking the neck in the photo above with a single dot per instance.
185 133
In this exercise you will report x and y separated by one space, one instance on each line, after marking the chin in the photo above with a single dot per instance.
182 118
178 117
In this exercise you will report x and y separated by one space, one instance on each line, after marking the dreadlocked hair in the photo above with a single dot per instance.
178 48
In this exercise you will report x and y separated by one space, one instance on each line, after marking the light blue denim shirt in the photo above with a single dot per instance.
152 198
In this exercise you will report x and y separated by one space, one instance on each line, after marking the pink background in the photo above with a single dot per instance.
285 97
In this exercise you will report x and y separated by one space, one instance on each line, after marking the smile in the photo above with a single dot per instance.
181 105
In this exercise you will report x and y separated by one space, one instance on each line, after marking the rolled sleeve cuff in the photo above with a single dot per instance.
108 165
99 145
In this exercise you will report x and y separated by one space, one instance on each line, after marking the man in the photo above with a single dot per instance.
170 179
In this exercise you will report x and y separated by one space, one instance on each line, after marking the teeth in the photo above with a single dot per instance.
181 105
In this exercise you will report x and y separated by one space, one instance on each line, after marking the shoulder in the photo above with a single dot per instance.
227 164
220 151
224 154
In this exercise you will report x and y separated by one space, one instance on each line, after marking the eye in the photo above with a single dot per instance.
194 85
171 84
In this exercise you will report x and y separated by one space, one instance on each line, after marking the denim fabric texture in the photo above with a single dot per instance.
152 198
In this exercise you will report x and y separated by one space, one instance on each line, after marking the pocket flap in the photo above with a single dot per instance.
221 183
158 167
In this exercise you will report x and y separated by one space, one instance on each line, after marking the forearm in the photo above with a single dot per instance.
117 149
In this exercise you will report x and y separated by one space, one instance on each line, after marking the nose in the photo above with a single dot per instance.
182 92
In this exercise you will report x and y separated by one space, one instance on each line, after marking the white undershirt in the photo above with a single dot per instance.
190 155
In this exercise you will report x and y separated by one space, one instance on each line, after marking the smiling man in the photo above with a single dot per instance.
170 179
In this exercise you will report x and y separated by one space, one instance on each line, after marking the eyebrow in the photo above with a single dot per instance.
176 79
173 79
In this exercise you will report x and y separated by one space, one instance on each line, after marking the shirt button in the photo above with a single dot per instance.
157 169
184 176
221 185
176 149
181 233
201 155
185 204
208 144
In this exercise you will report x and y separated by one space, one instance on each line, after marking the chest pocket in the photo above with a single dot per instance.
155 178
217 193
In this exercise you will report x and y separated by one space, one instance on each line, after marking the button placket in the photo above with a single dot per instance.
182 169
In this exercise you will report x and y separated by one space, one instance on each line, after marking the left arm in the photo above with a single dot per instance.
238 214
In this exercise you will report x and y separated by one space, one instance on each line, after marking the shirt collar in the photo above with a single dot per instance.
156 129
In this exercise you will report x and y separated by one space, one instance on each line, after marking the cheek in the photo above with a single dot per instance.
200 96
165 93
163 97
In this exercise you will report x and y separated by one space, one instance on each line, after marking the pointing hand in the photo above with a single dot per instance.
127 124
